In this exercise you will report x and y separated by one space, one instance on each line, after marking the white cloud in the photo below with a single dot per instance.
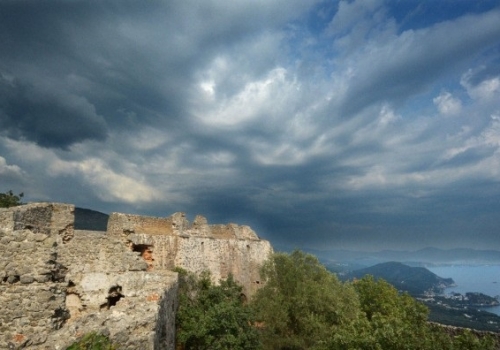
99 177
356 21
112 186
391 68
489 137
257 100
9 170
485 90
447 104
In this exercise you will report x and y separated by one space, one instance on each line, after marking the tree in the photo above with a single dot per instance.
9 199
301 303
213 316
397 321
304 306
394 321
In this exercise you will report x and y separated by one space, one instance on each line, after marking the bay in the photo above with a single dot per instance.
483 279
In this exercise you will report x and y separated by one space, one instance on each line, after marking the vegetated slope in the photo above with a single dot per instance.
91 220
414 280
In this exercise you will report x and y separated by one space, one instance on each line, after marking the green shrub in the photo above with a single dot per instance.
213 316
9 199
92 341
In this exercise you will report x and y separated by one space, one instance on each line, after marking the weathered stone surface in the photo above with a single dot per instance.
175 242
57 283
136 321
56 286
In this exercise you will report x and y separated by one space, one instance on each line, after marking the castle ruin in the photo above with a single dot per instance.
58 283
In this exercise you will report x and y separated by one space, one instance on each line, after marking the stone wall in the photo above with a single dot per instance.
198 246
56 284
32 281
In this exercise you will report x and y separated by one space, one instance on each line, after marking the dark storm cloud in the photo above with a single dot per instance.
49 118
132 63
367 126
83 50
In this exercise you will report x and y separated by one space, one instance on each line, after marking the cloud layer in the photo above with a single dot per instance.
350 124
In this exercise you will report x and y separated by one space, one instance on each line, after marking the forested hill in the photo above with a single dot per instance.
415 280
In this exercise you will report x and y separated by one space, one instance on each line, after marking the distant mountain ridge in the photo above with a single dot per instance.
415 280
425 256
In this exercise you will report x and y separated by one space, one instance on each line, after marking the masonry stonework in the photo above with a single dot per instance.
197 246
58 283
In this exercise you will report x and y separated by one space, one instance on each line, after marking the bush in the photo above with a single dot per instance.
213 316
302 303
92 341
9 199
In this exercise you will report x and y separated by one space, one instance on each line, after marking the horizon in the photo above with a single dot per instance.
320 124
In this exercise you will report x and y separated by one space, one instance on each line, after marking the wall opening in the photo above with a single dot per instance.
146 252
73 301
59 317
114 296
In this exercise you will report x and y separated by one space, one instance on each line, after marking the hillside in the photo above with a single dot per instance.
415 280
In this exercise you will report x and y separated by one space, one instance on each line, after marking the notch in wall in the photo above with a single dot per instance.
146 252
114 296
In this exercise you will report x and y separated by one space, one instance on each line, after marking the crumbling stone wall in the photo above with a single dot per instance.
93 260
57 284
198 246
124 223
128 307
32 281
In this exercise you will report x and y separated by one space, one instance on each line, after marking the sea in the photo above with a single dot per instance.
483 278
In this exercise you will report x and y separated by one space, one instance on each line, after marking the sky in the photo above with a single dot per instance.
321 124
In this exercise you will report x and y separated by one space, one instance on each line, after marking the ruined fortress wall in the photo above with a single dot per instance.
57 284
198 246
143 318
91 259
122 223
32 284
241 258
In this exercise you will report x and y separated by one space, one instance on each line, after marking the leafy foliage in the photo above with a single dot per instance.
213 316
92 341
9 199
393 320
303 306
302 303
